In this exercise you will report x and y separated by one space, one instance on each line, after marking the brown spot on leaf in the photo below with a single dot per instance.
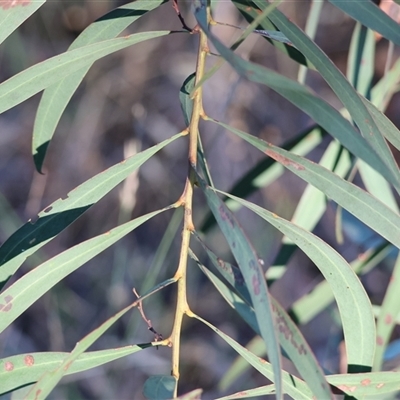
29 360
8 366
6 4
226 216
47 209
380 385
283 160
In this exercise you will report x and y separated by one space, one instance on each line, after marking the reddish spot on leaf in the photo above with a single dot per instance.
379 341
8 305
6 4
346 388
283 160
256 285
8 366
37 394
388 319
29 360
365 382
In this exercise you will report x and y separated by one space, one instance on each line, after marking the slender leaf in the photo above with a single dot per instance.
14 14
56 97
253 275
25 291
358 202
48 381
321 296
358 321
25 369
24 85
290 338
386 320
355 385
343 89
292 385
322 113
250 14
58 215
370 15
267 170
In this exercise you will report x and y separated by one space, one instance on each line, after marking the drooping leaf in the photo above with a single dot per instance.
56 97
26 290
358 321
267 170
252 272
58 215
370 130
25 369
370 15
50 379
290 338
358 202
286 47
27 83
292 385
322 113
386 320
319 298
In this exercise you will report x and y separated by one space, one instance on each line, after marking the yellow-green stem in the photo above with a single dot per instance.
186 200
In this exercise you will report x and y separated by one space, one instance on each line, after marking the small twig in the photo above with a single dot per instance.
157 336
175 6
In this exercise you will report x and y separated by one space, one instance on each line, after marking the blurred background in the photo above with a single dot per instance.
127 103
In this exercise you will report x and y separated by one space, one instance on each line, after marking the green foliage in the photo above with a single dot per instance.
358 136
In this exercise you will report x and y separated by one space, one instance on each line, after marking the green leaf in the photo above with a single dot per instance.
26 290
355 385
322 113
290 338
160 387
56 97
292 385
50 379
370 15
58 215
24 85
240 365
353 303
386 320
185 99
252 272
250 14
358 202
268 170
11 17
25 369
371 132
321 296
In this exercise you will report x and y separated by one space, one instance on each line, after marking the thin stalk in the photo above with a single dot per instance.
186 201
